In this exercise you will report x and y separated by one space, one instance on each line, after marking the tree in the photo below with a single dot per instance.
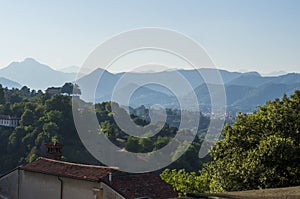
132 145
261 150
60 103
27 118
146 144
26 91
182 181
67 88
50 128
16 97
18 109
2 96
70 89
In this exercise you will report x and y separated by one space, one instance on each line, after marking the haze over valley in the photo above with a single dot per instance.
244 91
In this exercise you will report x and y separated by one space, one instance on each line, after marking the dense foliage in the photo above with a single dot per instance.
261 150
42 118
45 117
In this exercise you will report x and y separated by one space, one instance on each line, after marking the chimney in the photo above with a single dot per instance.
54 150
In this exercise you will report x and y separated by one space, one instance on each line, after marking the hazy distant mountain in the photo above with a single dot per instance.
259 96
104 87
108 81
244 91
146 96
245 98
9 83
194 77
254 79
35 75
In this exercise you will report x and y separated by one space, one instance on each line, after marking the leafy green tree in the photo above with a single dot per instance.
261 150
18 109
59 103
132 145
52 116
26 91
27 118
51 128
146 144
183 182
16 97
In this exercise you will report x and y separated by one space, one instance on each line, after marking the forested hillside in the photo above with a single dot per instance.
44 118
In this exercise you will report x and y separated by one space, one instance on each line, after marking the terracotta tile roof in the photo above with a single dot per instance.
139 185
67 169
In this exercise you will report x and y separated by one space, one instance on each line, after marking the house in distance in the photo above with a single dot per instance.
9 121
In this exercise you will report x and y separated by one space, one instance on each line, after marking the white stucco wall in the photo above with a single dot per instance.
37 185
9 186
73 188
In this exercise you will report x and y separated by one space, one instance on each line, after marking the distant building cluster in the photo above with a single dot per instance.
229 117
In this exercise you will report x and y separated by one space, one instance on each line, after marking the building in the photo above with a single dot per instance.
9 121
47 178
51 178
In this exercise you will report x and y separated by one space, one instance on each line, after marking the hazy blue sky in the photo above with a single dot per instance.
261 35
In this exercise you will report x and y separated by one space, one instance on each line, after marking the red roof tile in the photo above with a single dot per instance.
67 169
139 185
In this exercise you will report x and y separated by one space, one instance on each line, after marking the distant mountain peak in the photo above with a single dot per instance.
35 75
29 59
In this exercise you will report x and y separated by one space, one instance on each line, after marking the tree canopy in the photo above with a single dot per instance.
70 88
260 150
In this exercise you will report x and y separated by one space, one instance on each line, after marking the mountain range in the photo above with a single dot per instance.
244 91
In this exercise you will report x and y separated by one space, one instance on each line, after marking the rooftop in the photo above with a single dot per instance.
67 169
139 185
